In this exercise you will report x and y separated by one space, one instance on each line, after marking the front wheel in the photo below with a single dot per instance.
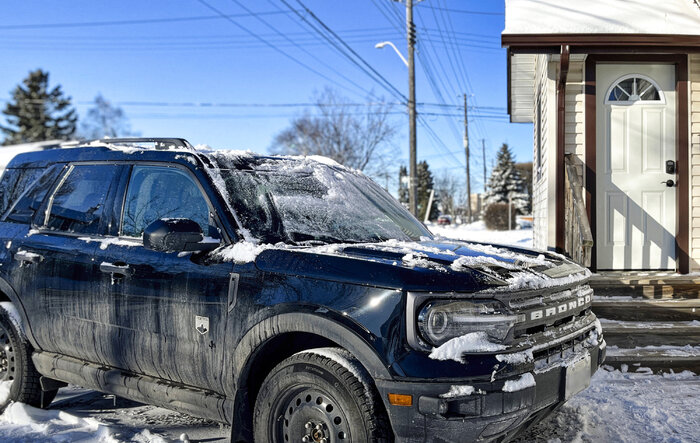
321 395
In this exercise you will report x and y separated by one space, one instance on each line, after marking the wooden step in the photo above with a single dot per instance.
658 285
637 334
656 358
643 309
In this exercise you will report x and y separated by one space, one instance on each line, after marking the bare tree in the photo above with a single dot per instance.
359 137
105 120
448 192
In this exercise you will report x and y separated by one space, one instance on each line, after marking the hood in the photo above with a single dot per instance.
433 265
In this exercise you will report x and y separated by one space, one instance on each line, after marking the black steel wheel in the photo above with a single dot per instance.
17 368
319 396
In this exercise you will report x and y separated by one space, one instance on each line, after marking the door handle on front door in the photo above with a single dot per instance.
28 257
121 269
669 183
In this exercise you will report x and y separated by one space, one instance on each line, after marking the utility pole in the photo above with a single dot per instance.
466 151
411 38
483 152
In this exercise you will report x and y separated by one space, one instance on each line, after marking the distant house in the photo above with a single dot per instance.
613 90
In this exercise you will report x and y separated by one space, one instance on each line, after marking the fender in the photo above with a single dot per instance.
341 332
7 289
313 323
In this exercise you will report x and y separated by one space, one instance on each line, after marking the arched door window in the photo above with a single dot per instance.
634 88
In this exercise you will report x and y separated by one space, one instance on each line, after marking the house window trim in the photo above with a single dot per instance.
660 101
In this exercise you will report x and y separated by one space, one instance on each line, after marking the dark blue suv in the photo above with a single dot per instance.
289 297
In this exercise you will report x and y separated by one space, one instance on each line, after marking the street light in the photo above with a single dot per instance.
382 44
411 38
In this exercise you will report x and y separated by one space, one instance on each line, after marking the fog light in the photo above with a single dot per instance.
401 399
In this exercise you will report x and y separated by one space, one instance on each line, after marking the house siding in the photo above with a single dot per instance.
540 188
694 107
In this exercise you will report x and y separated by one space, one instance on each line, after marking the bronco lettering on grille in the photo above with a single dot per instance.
560 309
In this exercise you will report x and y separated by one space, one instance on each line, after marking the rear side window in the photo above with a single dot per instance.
160 192
30 188
78 203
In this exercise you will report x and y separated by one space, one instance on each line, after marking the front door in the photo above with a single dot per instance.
635 166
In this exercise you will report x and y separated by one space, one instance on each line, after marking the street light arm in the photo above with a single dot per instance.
382 44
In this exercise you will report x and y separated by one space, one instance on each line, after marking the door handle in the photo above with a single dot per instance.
28 257
669 183
115 268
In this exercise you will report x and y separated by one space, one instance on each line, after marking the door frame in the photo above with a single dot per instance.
680 61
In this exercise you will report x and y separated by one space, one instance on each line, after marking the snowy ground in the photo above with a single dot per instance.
634 406
521 237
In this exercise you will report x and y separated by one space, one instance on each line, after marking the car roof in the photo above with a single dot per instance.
115 153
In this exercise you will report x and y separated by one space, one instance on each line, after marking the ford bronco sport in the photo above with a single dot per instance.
289 297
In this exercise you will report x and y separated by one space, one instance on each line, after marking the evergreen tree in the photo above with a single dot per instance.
36 113
425 185
505 182
105 120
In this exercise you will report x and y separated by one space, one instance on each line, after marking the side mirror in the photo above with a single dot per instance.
176 235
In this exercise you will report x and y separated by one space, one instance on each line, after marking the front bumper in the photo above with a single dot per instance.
489 412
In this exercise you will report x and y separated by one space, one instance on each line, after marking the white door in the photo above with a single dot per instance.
636 137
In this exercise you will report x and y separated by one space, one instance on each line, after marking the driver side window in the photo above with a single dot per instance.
157 192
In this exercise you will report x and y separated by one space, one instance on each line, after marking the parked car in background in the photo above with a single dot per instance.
245 289
444 220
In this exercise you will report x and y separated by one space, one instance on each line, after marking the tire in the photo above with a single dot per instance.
16 366
316 394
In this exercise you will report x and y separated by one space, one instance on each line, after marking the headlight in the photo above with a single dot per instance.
440 321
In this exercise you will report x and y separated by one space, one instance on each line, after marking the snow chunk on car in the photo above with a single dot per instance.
472 342
525 381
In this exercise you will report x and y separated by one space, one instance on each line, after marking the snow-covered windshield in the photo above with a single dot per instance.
304 201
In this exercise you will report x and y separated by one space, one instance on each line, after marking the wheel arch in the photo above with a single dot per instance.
275 339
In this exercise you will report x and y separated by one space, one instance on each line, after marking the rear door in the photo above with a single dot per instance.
55 269
169 310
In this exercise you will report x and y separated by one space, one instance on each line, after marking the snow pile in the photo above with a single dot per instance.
5 387
472 342
527 280
525 381
477 232
459 391
21 422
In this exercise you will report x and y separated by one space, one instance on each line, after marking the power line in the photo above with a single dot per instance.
136 21
284 53
463 11
377 76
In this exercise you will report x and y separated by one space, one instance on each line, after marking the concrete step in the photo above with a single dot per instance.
626 334
644 309
658 358
659 285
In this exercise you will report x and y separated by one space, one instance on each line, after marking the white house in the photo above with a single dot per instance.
613 90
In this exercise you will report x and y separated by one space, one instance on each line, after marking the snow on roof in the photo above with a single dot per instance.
602 17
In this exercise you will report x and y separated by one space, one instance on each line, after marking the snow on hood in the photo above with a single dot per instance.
517 270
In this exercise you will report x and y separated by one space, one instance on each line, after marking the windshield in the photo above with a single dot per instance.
303 201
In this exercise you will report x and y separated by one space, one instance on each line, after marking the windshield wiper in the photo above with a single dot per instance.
302 238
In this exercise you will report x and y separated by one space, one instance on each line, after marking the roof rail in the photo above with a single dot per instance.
159 142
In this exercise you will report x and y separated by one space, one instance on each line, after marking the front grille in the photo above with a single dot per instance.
539 313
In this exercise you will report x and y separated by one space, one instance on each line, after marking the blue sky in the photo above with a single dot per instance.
158 59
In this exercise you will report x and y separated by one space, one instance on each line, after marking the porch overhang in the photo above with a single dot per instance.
524 48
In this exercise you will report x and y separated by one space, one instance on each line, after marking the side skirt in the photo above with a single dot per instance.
141 388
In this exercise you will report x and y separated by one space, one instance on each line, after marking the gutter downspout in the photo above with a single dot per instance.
561 140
